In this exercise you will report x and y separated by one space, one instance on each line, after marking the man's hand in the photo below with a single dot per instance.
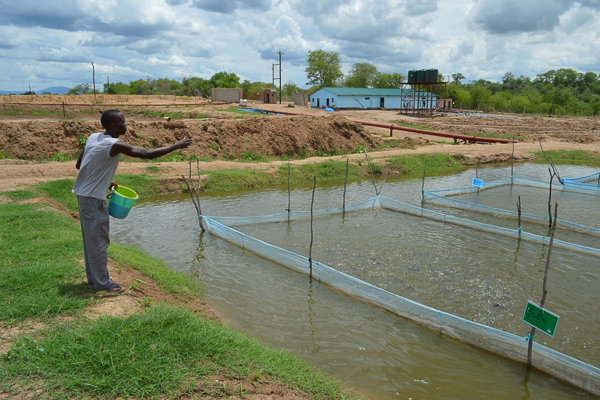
113 185
183 143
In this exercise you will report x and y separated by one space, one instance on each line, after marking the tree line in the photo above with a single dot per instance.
186 86
556 92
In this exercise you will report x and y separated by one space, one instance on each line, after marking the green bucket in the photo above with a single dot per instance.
121 201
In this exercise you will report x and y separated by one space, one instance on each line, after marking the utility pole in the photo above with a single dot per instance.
107 84
94 80
280 54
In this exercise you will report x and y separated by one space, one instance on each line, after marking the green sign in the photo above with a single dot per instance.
541 319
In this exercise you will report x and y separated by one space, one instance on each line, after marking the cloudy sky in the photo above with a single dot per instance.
54 42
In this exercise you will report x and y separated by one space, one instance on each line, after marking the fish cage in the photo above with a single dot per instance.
411 230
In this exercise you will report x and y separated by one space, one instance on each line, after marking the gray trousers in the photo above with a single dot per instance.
94 219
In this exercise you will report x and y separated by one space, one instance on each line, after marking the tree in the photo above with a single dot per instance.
82 88
142 86
456 78
480 96
194 86
167 86
361 75
460 96
117 88
388 81
254 90
324 69
289 89
225 80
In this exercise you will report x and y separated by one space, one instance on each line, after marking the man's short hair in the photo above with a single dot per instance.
109 116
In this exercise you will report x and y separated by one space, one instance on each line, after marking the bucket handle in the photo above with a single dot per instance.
110 192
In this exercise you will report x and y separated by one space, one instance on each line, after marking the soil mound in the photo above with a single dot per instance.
213 138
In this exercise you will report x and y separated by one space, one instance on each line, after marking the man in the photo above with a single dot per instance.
97 165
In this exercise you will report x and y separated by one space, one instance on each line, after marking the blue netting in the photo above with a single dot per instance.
444 198
589 183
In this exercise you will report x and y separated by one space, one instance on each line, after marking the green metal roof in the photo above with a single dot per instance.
346 91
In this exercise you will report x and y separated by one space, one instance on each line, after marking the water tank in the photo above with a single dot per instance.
421 75
412 76
431 75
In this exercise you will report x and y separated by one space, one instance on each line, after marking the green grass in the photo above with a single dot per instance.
234 179
415 164
60 190
225 180
40 275
165 352
163 114
179 285
570 157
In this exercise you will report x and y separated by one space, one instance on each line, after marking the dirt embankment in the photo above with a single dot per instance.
213 138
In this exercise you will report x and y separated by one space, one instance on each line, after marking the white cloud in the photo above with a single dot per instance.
132 39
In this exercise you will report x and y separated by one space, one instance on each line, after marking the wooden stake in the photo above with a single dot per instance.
312 203
345 185
519 212
423 181
195 192
289 207
371 169
512 161
544 291
550 199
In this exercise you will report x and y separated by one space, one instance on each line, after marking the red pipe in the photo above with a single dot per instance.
454 136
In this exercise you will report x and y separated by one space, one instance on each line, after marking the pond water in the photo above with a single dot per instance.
377 353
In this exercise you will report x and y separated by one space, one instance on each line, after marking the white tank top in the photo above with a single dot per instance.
97 166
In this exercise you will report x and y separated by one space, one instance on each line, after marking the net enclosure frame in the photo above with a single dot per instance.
444 198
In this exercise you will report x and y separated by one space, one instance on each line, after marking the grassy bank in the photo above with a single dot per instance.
162 351
327 171
569 157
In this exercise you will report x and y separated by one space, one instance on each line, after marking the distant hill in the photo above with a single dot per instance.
53 90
